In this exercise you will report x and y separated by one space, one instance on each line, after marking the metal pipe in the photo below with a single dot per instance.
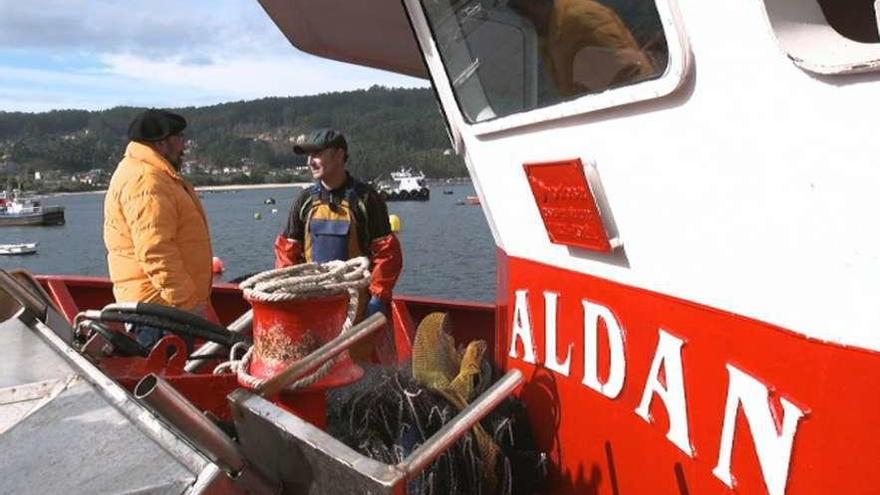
460 424
196 428
196 365
121 306
23 296
243 325
327 351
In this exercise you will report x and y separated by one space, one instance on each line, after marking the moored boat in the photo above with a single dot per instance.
672 354
681 360
22 248
405 185
16 210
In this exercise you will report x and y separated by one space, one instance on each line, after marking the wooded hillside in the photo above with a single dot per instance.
387 129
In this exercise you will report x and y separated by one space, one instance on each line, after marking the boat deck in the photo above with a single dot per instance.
76 422
61 434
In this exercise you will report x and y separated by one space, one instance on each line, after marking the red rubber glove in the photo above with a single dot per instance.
287 252
387 261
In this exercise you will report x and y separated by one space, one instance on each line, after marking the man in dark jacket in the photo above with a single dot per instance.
338 218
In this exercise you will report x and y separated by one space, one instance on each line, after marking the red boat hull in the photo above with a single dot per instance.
73 294
683 398
600 443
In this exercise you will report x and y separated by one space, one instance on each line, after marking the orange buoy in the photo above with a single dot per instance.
217 265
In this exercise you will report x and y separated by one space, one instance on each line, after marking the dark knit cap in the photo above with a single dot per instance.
319 140
155 125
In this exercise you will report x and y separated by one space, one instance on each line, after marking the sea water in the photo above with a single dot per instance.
448 249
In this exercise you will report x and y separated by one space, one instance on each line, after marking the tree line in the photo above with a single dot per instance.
388 128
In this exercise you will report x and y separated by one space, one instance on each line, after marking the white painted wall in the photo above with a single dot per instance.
753 189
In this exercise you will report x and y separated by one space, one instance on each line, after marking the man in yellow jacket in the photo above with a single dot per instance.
585 45
155 229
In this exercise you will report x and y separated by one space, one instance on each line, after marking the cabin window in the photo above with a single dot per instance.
509 56
853 19
828 36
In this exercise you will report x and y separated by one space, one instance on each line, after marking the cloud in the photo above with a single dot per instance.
104 53
254 76
158 29
35 90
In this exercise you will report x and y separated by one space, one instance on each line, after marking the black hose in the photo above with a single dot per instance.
221 336
124 344
206 357
242 278
179 316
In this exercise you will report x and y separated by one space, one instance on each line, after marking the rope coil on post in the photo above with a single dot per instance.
303 281
308 280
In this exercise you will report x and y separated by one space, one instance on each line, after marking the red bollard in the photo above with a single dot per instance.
289 330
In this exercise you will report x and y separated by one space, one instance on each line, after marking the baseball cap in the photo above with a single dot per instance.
319 140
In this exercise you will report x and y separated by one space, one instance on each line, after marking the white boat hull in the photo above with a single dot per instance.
14 249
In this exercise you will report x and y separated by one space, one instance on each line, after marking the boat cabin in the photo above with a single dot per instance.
681 195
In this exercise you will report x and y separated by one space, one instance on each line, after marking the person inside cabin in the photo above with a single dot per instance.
585 46
338 218
155 228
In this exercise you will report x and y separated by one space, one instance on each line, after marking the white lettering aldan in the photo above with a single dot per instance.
522 328
617 373
668 356
773 447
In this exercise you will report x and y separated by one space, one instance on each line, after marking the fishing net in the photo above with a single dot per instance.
391 411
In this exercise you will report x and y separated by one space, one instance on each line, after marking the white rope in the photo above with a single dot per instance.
233 364
303 281
308 280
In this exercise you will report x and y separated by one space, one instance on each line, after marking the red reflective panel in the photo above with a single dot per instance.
567 205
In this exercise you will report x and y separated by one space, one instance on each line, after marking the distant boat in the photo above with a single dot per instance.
469 200
448 191
269 201
24 248
406 185
15 210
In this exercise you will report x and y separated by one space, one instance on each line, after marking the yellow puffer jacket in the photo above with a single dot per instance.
156 233
589 48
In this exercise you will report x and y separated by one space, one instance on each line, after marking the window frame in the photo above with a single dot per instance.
673 77
812 44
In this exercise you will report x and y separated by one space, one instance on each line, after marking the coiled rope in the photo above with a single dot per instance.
303 281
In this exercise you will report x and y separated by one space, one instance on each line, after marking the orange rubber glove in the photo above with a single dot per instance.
387 261
287 252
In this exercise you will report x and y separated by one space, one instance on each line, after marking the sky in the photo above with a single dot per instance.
98 54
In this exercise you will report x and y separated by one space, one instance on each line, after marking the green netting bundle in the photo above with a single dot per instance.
390 412
387 414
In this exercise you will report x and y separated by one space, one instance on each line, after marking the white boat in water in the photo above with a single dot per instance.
17 210
406 184
23 248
